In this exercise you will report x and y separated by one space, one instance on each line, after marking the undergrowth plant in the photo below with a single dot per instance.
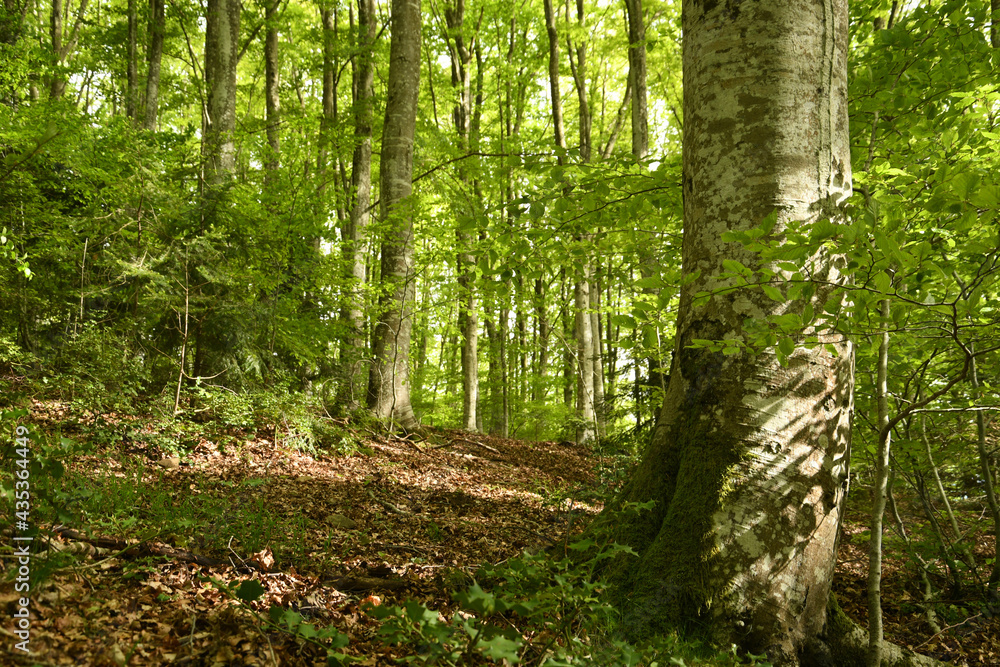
540 611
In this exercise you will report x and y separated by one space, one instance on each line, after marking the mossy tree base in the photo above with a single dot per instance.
843 643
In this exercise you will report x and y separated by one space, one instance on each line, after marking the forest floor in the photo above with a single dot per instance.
330 536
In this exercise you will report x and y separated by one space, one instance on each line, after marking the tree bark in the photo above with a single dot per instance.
995 24
468 318
57 85
222 31
984 463
597 365
157 27
875 634
361 186
271 95
569 355
63 46
748 463
388 381
583 333
132 67
637 77
557 119
578 68
539 388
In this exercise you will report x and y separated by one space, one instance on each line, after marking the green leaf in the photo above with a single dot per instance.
623 321
500 648
767 224
249 590
650 282
786 346
583 545
478 600
732 266
773 292
883 283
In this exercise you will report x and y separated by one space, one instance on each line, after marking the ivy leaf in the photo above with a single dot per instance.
500 648
249 590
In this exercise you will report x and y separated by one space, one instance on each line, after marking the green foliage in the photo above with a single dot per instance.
249 591
536 610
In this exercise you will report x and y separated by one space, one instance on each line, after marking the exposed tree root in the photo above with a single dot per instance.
845 644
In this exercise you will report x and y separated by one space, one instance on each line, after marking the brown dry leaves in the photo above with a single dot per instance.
392 525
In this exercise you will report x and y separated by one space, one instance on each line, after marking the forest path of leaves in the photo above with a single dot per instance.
400 520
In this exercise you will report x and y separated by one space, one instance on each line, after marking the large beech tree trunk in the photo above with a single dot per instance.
748 463
388 381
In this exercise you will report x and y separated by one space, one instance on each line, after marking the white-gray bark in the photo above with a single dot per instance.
361 186
222 31
586 425
748 463
468 315
598 358
388 380
637 77
875 633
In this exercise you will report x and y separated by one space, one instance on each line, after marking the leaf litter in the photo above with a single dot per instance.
397 520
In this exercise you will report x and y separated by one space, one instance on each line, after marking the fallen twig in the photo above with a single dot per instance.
471 442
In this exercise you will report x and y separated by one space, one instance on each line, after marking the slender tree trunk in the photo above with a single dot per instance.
960 546
222 30
521 323
984 466
586 399
586 427
637 77
132 67
598 357
388 381
154 56
491 419
944 545
748 462
271 97
995 26
914 555
504 336
57 85
557 119
539 386
569 356
578 67
875 633
361 186
648 267
468 320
